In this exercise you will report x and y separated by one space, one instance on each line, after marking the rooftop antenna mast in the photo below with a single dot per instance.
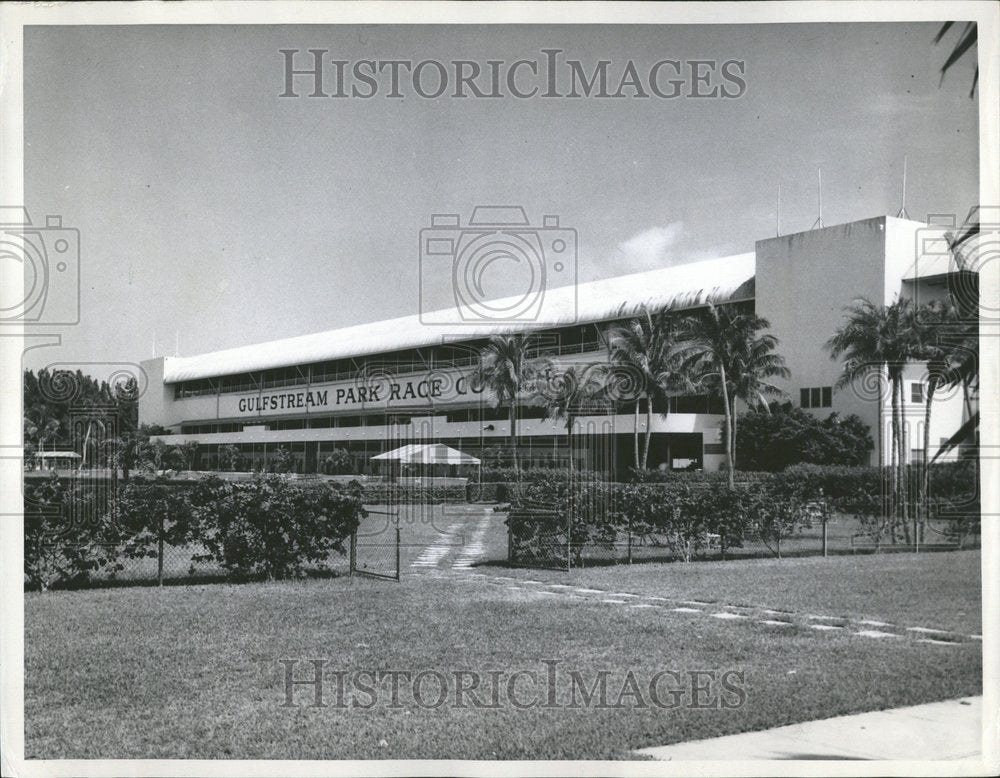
902 205
777 213
819 219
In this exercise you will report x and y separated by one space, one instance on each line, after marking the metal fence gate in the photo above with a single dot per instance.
375 545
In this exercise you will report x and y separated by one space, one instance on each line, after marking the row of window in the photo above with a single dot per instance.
822 396
816 397
576 339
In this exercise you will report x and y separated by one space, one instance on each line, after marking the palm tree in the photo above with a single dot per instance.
755 365
645 347
727 353
49 430
504 367
967 40
935 353
565 393
880 338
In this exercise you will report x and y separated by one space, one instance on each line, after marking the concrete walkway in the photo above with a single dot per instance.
938 730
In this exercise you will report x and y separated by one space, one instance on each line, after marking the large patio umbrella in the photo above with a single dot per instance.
427 454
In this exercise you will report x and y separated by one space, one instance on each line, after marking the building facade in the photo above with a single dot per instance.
369 388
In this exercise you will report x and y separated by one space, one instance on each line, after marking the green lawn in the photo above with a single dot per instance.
940 589
193 671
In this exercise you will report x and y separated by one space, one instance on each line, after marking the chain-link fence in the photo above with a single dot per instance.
375 546
547 539
100 531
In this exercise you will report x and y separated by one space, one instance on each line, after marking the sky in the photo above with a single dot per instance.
215 214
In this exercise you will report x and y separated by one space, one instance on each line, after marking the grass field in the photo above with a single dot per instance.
194 671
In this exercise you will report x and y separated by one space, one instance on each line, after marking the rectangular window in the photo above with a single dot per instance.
917 392
827 396
815 398
804 398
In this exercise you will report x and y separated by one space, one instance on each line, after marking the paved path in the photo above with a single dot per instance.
938 730
459 545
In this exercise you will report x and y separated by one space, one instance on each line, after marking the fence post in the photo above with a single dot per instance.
826 515
569 535
159 554
397 544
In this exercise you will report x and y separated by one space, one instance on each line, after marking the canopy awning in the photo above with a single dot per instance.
427 454
57 455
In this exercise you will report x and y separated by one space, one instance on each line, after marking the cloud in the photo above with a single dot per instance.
649 249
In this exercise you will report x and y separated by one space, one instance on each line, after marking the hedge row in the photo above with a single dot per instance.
946 477
268 527
685 514
373 493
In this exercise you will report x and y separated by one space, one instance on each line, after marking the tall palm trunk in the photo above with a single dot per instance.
904 480
513 438
569 443
730 477
649 431
894 458
926 481
732 443
635 439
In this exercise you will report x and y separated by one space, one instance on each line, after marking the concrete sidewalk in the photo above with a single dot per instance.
938 730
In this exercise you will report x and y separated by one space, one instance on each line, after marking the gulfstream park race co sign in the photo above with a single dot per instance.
380 392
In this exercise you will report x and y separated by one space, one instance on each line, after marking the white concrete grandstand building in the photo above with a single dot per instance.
372 387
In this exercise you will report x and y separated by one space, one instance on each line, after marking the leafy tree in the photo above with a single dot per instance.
230 457
338 462
96 417
187 454
788 436
281 461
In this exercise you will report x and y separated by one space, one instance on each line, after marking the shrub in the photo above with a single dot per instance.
787 435
271 527
685 516
66 534
338 462
281 461
690 476
381 492
510 475
149 514
230 458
